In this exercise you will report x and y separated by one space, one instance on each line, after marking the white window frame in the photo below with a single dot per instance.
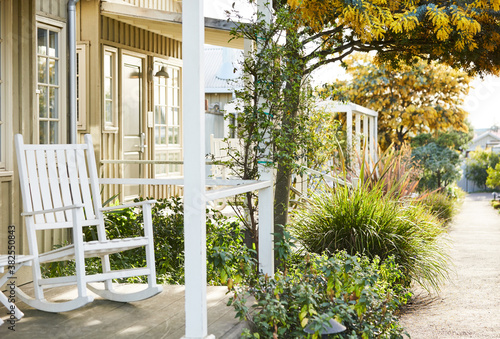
168 151
82 84
110 126
60 28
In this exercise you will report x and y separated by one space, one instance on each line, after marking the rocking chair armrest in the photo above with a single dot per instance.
52 210
133 204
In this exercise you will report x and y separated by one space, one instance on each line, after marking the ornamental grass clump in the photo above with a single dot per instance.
441 204
372 223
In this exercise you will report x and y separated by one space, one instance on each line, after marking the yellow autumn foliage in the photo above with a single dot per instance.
424 97
424 25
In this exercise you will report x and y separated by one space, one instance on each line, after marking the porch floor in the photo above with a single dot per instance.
161 316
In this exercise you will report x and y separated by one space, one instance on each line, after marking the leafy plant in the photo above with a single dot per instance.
372 223
226 253
361 294
477 165
493 180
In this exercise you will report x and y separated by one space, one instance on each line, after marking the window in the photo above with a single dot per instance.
110 93
81 86
167 118
50 94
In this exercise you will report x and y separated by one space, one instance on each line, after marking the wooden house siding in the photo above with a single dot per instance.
163 5
52 8
137 39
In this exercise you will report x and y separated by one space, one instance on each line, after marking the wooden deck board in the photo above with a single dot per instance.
161 316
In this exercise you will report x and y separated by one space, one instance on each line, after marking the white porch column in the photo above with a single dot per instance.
266 196
193 94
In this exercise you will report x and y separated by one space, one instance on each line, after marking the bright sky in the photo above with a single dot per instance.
482 103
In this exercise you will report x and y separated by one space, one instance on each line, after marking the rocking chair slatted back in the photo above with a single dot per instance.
57 176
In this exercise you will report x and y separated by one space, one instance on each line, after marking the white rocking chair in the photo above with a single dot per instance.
60 189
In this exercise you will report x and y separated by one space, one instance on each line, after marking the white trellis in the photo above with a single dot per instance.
365 124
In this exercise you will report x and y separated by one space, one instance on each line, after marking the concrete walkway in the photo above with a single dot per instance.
469 305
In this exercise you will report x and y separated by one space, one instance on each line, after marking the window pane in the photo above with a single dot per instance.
170 117
53 103
162 96
163 137
42 107
157 94
108 114
176 116
54 132
175 135
42 70
162 112
107 88
107 65
42 41
53 41
157 135
161 168
157 115
175 80
173 168
53 72
174 99
44 132
170 136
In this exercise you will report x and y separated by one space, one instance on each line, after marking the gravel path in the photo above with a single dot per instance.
468 306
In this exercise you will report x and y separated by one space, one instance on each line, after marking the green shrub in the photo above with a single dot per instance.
442 205
226 253
495 204
361 294
372 223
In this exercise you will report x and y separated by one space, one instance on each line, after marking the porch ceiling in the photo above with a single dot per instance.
169 24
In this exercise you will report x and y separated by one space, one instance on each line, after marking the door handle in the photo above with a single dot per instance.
142 145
